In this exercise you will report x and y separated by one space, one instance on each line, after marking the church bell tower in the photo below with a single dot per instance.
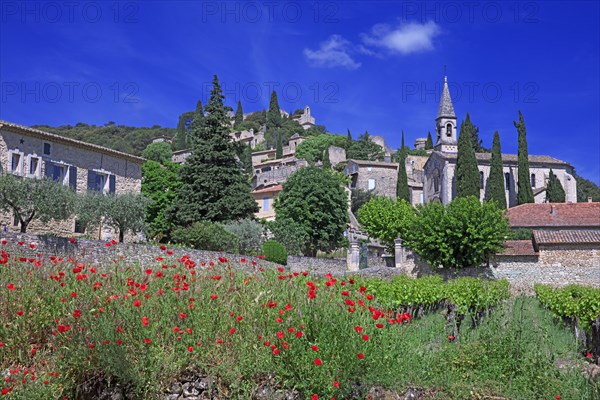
445 123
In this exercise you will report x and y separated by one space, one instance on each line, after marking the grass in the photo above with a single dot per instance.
64 322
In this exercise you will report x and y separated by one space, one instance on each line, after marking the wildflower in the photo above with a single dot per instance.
72 240
360 356
232 331
314 348
10 287
314 397
137 303
336 384
145 321
318 362
213 296
299 334
365 337
190 349
147 341
358 329
275 351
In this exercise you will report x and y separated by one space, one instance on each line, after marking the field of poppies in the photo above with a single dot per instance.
65 321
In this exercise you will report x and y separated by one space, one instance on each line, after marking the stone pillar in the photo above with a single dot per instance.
353 256
399 253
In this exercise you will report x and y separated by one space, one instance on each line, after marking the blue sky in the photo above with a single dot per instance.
375 66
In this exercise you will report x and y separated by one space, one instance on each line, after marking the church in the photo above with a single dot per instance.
439 182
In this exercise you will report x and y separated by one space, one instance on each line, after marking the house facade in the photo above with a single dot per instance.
35 154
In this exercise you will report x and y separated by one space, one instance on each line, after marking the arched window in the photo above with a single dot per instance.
481 180
449 130
533 180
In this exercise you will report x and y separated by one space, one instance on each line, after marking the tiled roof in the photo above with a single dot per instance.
67 141
537 215
375 163
567 237
509 158
518 248
276 188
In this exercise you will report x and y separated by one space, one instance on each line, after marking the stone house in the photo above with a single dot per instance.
265 197
439 183
305 119
34 154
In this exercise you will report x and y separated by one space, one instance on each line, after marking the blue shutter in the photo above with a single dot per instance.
73 178
48 169
111 184
91 184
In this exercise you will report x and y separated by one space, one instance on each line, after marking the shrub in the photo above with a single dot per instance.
206 235
250 234
275 252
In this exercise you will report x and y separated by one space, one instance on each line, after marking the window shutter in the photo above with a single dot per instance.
91 184
111 184
73 178
48 168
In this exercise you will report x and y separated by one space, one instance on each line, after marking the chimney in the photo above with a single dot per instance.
552 210
589 199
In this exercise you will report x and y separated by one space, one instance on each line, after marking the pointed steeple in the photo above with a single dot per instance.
446 109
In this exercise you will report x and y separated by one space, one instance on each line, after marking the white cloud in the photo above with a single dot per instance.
404 39
334 52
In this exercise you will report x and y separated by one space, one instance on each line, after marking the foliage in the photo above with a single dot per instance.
160 183
274 119
473 132
279 148
314 198
402 191
387 219
123 138
214 186
417 152
160 152
313 148
348 140
275 252
520 234
429 142
586 188
524 191
250 234
293 235
465 233
554 191
183 126
207 235
35 199
239 115
365 149
359 198
65 323
467 172
495 190
253 121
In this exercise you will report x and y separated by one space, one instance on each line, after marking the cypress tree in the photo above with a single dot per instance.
247 161
239 115
402 191
524 191
474 136
274 120
214 186
467 173
495 190
429 143
554 191
349 140
279 149
326 160
196 124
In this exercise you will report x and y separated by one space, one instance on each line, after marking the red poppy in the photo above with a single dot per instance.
314 348
336 384
358 329
318 362
232 331
10 287
137 303
190 349
72 240
365 337
360 356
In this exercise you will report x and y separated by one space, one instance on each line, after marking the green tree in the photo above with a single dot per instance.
274 119
429 143
35 199
160 152
291 234
239 115
125 212
279 148
524 191
160 183
196 125
313 148
251 235
467 173
180 139
348 141
365 149
386 219
495 190
325 159
586 188
214 186
555 193
313 198
359 198
206 235
465 233
473 133
247 159
402 191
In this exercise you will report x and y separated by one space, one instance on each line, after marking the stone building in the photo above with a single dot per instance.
305 119
248 137
439 182
265 197
555 216
32 153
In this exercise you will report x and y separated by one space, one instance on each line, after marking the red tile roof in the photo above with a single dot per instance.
276 188
518 248
567 237
548 215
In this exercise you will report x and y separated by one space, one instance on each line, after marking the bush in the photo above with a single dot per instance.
289 233
275 252
250 234
206 235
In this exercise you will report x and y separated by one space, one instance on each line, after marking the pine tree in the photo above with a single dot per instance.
429 143
279 149
402 192
495 190
214 187
274 120
524 191
554 191
467 173
239 115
